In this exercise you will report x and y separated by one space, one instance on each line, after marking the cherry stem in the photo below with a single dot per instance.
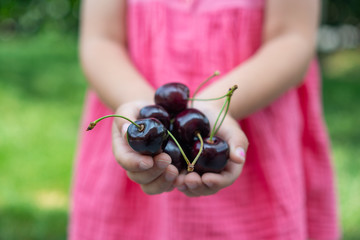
225 107
93 124
180 148
224 115
191 166
208 99
216 73
217 119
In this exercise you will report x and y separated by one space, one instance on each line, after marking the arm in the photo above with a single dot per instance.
280 64
104 57
113 77
289 39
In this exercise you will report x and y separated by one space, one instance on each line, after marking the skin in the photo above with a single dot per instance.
289 24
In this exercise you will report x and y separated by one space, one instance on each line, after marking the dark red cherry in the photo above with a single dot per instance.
214 156
173 97
190 122
177 158
155 111
150 138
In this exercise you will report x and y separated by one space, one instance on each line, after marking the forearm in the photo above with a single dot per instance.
111 74
289 38
278 66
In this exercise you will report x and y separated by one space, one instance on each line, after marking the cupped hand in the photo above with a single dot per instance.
154 174
192 184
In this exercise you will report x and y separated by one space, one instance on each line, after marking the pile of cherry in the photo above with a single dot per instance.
171 126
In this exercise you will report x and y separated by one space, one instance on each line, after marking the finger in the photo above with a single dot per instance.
211 183
195 186
182 187
225 178
163 183
130 111
235 137
162 161
192 180
180 182
126 156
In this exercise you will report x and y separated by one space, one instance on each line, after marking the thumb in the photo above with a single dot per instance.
238 146
237 141
129 110
124 128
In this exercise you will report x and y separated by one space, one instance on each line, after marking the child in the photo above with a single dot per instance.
286 188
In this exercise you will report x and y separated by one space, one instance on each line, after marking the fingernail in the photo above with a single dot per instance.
124 128
169 176
240 152
192 185
162 164
145 165
209 184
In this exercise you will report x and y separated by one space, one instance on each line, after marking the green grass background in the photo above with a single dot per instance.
41 95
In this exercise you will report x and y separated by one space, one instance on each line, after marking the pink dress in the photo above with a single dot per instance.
286 190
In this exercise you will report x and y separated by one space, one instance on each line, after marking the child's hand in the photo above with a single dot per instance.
192 184
154 174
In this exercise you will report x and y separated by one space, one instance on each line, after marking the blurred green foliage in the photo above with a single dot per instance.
30 17
23 222
341 11
41 95
341 96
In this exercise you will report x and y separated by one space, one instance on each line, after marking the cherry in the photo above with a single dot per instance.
173 97
147 136
214 156
190 122
174 152
150 138
155 111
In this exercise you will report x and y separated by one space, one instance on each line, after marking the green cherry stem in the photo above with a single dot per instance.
180 148
192 165
224 115
225 107
93 124
208 99
217 119
216 73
